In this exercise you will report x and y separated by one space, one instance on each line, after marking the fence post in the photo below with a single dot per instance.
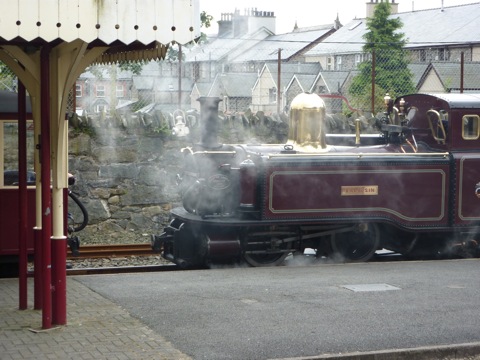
373 81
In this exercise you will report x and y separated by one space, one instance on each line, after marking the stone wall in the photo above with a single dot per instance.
126 181
126 177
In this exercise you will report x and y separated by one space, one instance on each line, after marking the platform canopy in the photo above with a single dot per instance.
48 44
125 26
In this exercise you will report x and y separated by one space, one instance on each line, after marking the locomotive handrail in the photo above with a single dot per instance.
203 152
214 152
358 155
439 126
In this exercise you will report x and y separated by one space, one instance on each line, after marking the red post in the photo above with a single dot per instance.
59 262
22 197
45 185
59 280
37 264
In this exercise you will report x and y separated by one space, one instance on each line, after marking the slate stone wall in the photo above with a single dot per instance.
126 181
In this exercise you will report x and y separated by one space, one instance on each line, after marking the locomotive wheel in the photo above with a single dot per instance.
357 245
266 248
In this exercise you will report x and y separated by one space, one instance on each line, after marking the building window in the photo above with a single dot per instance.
100 91
471 130
330 63
358 59
322 89
100 108
119 91
78 90
423 56
442 55
339 63
272 95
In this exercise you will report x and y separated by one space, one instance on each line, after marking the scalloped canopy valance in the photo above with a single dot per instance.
100 22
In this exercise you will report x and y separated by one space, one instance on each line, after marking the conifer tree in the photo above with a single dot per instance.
384 42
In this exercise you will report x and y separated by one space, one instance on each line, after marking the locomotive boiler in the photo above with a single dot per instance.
415 189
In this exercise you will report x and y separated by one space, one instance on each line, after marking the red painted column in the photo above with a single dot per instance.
22 197
59 263
45 185
59 280
37 264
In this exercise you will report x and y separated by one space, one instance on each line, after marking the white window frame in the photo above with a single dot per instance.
78 90
120 91
100 89
338 63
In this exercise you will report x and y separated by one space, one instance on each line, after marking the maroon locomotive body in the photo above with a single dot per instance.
417 189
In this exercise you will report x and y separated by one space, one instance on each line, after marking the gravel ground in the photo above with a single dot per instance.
118 262
93 236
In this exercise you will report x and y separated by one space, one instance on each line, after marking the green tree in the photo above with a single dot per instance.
386 44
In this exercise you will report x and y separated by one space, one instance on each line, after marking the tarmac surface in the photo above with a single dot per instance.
398 310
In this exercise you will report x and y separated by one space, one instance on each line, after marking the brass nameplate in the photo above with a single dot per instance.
359 190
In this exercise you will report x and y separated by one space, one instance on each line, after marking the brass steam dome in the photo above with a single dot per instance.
307 118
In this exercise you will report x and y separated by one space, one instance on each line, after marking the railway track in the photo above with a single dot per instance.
114 252
109 251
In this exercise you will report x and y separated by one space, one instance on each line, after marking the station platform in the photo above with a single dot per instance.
96 328
370 311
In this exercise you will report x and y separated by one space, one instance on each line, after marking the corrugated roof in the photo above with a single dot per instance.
455 24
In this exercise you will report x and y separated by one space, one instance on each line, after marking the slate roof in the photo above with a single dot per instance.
203 87
449 75
163 83
233 84
305 81
223 48
452 25
418 71
290 43
288 70
334 80
105 74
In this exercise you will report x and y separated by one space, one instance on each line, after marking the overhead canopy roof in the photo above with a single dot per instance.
123 25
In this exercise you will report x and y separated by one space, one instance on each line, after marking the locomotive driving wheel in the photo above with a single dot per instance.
358 243
267 247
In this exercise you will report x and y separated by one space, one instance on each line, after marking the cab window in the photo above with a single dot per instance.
9 153
471 129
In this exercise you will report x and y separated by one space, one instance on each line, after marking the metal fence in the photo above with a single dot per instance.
351 82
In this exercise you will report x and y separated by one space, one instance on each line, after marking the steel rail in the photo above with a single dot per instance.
112 250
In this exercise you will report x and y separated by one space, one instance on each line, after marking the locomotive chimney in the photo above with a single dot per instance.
209 122
373 4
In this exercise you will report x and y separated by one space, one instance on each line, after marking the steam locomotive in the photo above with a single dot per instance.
414 189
